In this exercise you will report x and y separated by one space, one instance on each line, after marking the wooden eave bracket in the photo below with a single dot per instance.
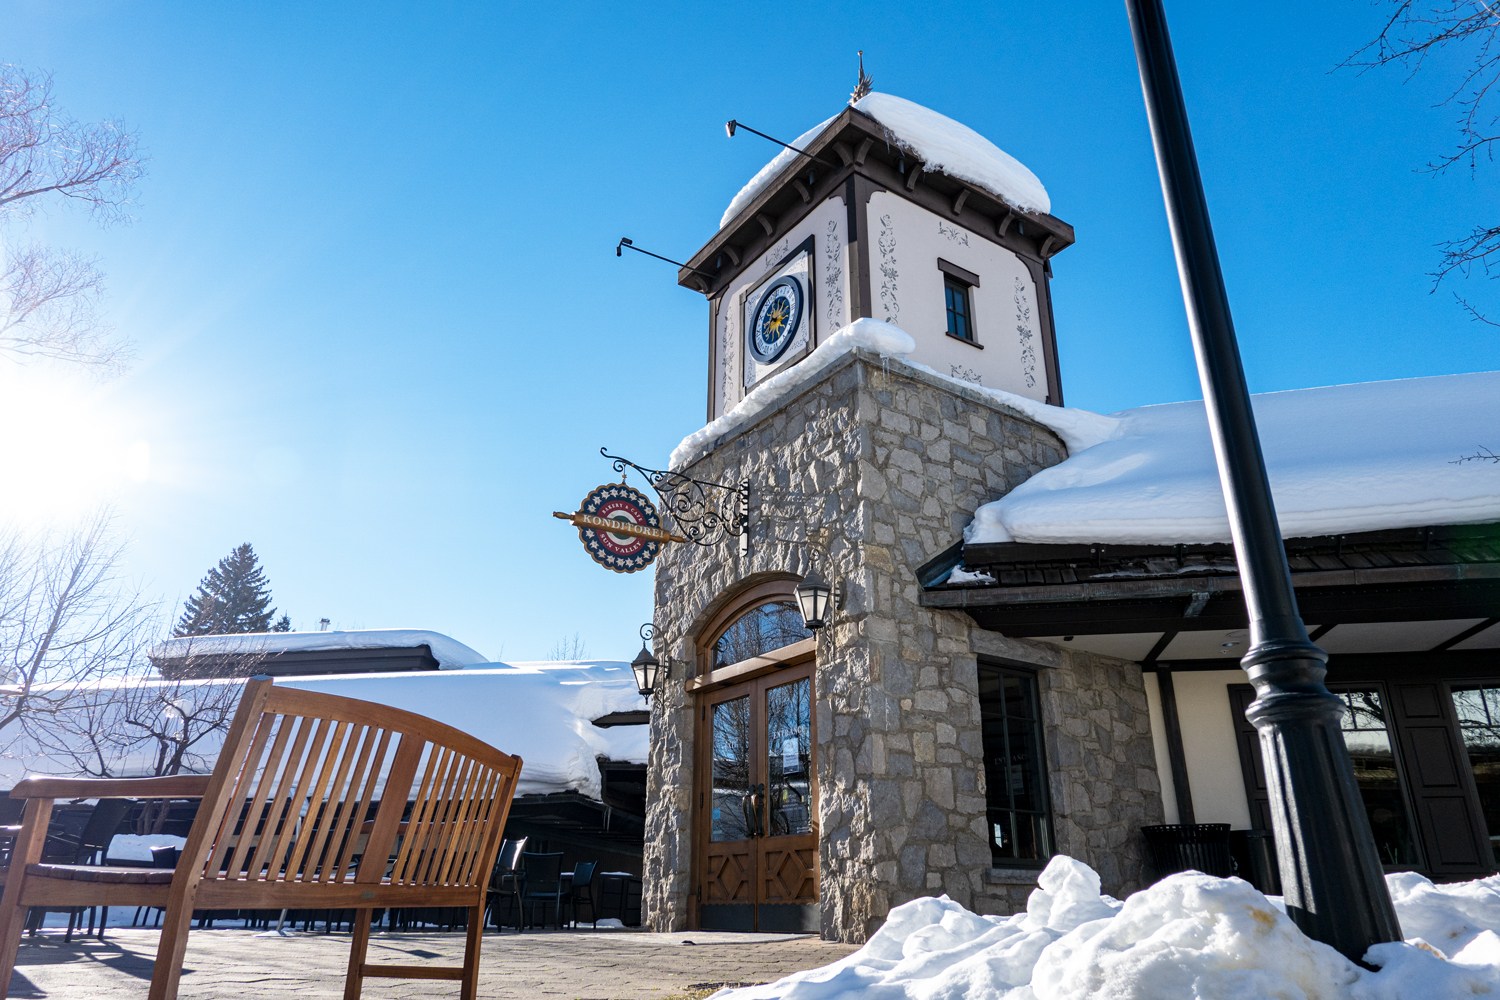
803 190
958 203
914 175
766 224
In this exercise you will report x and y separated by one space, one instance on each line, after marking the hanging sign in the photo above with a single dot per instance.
619 528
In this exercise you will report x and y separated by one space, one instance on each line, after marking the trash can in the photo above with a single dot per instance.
1255 852
1180 847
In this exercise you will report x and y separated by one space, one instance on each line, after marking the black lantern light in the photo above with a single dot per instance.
813 596
647 668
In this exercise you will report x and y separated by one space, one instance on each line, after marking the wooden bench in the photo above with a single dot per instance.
285 823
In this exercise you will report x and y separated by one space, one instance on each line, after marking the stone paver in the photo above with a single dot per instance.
618 965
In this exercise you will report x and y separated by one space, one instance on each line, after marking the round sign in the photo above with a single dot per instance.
776 319
621 553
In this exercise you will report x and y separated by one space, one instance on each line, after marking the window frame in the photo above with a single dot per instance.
1042 793
963 281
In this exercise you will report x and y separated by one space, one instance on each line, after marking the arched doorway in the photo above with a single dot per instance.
756 818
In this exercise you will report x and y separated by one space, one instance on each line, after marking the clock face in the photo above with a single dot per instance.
776 319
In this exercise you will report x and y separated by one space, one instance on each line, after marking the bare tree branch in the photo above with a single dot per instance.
1469 30
49 299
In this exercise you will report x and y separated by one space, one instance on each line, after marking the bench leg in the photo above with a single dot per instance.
167 973
472 942
12 922
354 979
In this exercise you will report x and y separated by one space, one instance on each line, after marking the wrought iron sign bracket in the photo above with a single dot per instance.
703 511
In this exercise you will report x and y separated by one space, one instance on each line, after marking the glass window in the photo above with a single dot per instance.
1479 726
771 626
730 815
789 757
1367 735
1015 772
956 294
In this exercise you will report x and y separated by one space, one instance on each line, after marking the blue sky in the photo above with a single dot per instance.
382 334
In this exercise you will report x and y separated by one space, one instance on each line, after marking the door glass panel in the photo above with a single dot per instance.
1367 735
789 758
731 770
1479 726
770 626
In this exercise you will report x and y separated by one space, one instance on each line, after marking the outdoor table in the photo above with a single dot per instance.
620 896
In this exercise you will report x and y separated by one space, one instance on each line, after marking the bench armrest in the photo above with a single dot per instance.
175 786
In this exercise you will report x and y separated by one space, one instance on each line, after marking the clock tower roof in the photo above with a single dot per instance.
901 146
934 141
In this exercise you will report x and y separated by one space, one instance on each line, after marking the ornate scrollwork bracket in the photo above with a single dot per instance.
703 511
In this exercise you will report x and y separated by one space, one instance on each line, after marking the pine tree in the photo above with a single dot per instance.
234 597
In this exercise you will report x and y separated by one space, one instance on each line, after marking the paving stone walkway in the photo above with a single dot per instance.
584 965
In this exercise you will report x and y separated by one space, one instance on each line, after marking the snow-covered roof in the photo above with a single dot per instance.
450 653
1077 428
1344 458
542 711
941 144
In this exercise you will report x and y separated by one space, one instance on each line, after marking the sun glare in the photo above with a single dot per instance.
63 449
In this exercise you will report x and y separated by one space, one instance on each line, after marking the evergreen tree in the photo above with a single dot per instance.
233 598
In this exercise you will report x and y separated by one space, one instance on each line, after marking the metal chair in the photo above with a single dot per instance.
582 891
506 882
543 883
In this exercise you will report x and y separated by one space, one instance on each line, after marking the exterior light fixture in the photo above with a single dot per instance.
813 596
647 668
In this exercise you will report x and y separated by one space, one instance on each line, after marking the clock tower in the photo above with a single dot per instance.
893 212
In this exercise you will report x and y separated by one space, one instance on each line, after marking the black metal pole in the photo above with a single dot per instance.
1330 871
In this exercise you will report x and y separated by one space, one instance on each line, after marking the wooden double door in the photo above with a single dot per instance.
757 831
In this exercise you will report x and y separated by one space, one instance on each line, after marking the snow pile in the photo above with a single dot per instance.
1365 457
939 143
450 653
1188 936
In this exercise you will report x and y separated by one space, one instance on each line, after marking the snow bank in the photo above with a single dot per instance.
941 144
450 653
1344 458
1078 428
1188 936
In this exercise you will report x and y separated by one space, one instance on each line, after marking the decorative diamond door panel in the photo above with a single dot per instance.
758 839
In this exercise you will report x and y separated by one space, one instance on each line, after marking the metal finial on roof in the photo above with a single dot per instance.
865 84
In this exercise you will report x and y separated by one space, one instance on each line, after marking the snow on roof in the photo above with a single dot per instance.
542 711
450 653
1188 935
943 145
1344 458
1077 428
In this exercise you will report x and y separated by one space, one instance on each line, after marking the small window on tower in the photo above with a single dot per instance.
958 300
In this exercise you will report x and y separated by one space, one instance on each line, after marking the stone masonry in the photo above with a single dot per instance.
892 462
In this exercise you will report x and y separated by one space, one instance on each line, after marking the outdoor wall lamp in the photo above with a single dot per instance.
646 667
814 597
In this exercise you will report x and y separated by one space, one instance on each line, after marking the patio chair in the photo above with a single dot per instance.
582 891
88 847
287 754
544 883
506 882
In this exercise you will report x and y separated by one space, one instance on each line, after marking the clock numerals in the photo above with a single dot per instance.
776 319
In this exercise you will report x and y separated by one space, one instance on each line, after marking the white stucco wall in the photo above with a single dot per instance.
1159 746
827 310
906 288
1208 740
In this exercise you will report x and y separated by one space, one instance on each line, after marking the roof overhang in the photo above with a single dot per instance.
854 143
1448 574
